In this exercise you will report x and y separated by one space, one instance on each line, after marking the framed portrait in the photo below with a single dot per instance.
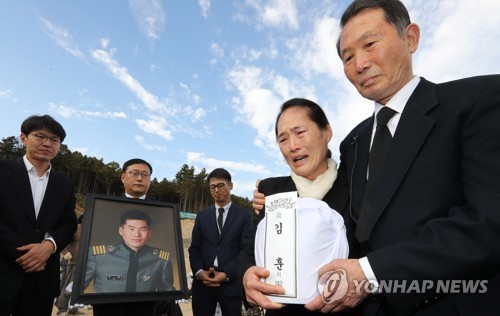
130 250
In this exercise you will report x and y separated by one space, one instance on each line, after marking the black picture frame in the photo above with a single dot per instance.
100 227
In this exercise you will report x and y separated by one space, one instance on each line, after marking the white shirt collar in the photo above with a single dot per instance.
399 100
225 207
131 197
30 168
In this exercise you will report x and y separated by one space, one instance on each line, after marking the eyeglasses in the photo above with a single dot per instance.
220 186
54 140
136 174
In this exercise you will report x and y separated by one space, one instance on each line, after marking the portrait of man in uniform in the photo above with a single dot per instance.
131 250
131 265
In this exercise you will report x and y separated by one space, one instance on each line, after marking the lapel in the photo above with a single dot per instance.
22 186
231 217
213 222
51 195
358 156
411 133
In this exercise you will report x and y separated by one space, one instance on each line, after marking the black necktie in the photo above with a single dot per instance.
220 219
380 148
132 272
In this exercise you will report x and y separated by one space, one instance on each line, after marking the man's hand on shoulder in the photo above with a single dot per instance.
259 199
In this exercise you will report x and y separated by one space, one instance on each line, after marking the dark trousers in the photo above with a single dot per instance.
28 302
125 309
204 301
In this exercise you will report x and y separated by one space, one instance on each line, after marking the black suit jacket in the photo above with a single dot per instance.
18 226
229 247
436 213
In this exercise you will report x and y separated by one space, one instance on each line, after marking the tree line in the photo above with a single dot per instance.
91 175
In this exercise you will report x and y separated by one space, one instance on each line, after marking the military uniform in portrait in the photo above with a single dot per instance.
111 265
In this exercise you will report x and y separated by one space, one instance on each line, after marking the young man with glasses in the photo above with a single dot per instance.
37 221
221 234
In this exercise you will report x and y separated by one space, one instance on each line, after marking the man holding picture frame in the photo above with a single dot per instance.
136 178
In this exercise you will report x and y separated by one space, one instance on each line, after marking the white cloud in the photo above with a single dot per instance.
155 125
281 13
151 147
188 94
217 53
240 187
315 53
63 38
82 150
196 114
459 39
150 17
247 54
71 112
8 94
205 7
276 13
104 42
260 95
199 158
150 100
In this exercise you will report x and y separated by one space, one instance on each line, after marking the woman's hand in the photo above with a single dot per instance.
256 290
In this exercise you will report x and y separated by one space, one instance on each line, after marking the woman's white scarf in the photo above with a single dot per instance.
318 187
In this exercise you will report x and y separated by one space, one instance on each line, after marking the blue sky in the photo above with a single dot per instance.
200 82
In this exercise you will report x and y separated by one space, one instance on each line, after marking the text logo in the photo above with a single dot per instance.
332 285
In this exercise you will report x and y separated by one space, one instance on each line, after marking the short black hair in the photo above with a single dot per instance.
395 13
315 112
219 173
134 161
37 122
135 214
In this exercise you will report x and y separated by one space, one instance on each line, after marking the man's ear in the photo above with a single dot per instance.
23 138
413 37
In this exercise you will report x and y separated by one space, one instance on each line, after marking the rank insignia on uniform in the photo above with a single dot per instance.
164 254
103 249
146 277
114 277
98 250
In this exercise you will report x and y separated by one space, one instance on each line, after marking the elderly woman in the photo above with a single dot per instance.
302 132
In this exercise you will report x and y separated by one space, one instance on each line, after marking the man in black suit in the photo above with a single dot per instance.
433 215
37 220
221 234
